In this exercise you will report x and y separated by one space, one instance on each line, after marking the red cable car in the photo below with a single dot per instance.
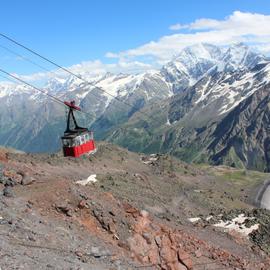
77 141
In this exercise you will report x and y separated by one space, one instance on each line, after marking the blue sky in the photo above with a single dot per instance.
100 33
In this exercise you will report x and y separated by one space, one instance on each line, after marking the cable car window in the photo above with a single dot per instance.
77 141
66 143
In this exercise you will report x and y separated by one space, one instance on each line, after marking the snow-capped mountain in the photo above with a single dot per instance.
188 120
191 64
240 56
237 75
194 62
189 96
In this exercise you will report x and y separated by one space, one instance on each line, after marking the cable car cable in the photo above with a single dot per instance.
50 71
40 66
70 72
36 64
9 79
36 88
25 58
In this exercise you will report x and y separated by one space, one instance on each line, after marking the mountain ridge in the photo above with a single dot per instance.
194 91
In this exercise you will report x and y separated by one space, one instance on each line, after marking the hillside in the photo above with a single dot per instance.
139 211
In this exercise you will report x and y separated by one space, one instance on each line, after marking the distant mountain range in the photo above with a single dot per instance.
209 104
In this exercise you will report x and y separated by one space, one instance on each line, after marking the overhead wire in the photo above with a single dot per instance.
25 58
38 89
32 86
72 73
8 79
38 65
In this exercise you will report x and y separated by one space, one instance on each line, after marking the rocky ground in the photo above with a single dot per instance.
133 212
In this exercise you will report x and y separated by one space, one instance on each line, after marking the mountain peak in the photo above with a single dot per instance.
240 56
201 51
198 52
192 63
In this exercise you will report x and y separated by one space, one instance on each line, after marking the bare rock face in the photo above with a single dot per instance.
243 135
105 220
158 246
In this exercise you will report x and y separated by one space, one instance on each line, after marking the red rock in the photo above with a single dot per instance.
153 256
112 227
3 156
142 224
13 175
131 210
148 238
158 240
179 266
137 244
185 259
198 253
82 204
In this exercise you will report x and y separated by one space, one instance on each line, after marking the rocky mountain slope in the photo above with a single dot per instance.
240 139
180 107
244 133
120 210
192 123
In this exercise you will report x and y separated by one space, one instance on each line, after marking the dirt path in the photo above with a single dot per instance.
265 201
262 198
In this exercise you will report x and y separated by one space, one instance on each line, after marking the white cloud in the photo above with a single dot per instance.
264 48
240 22
98 67
251 28
89 69
177 26
204 24
111 55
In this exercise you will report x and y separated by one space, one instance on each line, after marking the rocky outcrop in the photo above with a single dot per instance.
157 246
242 137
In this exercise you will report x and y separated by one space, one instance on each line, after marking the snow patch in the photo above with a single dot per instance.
202 92
195 219
150 159
238 224
91 179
